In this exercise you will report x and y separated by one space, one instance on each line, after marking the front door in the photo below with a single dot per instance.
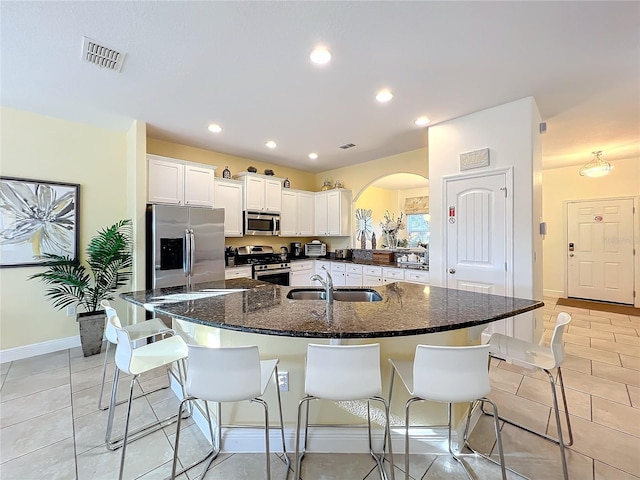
600 250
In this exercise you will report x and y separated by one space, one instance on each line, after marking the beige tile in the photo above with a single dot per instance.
31 435
90 377
575 339
20 387
629 361
633 322
604 319
580 323
605 444
530 372
596 386
314 466
80 362
505 379
628 339
38 364
577 363
617 374
634 395
591 353
85 401
579 403
617 416
599 313
34 405
590 332
521 410
625 330
599 344
606 472
53 462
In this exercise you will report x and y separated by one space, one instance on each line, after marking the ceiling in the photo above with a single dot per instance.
245 66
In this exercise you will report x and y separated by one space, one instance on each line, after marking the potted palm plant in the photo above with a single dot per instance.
71 282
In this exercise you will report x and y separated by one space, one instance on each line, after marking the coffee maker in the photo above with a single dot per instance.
297 250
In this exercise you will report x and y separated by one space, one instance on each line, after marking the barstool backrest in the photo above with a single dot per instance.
124 351
109 331
225 374
451 374
556 344
343 372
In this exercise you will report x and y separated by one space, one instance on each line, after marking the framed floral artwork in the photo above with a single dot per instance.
37 217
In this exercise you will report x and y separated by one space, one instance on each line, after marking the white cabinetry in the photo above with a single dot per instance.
262 193
354 275
228 195
333 213
339 274
296 216
320 271
301 272
417 276
390 275
177 182
237 272
371 276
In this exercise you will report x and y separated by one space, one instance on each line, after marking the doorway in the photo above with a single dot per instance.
600 239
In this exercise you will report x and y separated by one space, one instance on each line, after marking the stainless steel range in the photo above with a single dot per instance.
268 266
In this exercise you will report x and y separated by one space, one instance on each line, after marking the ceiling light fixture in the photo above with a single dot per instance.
313 156
384 95
320 55
214 127
597 167
421 121
271 144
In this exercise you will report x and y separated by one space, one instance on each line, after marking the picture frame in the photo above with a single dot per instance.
37 217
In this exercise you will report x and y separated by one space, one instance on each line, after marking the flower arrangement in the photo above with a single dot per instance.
391 226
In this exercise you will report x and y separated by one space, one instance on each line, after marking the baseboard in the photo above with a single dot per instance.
553 293
342 439
26 351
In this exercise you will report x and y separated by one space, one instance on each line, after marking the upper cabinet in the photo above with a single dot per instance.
296 216
262 193
228 195
333 213
177 182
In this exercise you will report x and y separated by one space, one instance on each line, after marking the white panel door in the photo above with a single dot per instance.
600 250
477 234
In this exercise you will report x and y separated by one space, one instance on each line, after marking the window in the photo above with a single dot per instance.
418 229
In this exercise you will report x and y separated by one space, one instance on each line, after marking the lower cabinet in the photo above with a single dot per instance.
372 276
339 274
353 275
390 275
301 272
417 276
237 272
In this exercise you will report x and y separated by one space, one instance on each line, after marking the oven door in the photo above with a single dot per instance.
278 277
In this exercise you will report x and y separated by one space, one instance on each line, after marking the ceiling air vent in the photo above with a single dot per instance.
344 146
102 56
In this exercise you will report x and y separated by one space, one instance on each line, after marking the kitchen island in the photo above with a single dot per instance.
249 312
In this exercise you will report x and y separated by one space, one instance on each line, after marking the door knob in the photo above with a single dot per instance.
571 254
452 270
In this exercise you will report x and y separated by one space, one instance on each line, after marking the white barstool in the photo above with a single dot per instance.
344 373
136 361
546 359
229 374
138 331
446 374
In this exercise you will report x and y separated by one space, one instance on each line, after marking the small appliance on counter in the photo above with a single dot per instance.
229 256
315 249
297 250
343 253
284 254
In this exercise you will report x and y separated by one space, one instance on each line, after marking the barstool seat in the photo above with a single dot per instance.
450 375
545 359
343 373
136 361
227 374
137 331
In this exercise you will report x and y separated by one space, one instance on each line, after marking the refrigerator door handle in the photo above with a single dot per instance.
192 238
186 263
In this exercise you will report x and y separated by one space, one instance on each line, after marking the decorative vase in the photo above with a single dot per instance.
363 241
373 241
287 183
91 331
226 173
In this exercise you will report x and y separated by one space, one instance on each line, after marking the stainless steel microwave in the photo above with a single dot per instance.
257 223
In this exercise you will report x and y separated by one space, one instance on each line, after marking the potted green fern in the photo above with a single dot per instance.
71 282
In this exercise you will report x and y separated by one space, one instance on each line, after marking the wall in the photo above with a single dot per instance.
45 148
511 133
562 184
378 200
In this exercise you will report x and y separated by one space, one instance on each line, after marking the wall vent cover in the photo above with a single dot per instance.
344 146
105 57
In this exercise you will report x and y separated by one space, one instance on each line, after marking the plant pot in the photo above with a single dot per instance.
91 331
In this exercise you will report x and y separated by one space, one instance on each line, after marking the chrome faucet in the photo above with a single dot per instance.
327 284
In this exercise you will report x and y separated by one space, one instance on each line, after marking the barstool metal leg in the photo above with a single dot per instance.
284 446
126 428
563 457
266 434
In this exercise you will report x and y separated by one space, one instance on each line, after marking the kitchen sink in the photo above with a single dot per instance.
341 295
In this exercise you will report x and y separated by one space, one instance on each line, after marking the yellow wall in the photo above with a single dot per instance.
378 200
562 184
45 148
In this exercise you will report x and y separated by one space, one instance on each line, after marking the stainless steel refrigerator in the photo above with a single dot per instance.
184 246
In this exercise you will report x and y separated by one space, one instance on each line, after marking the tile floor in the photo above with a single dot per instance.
51 428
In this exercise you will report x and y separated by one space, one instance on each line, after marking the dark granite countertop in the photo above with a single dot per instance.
359 261
257 307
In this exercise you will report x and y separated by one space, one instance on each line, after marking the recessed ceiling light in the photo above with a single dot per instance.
421 121
215 128
271 144
320 55
313 156
384 95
